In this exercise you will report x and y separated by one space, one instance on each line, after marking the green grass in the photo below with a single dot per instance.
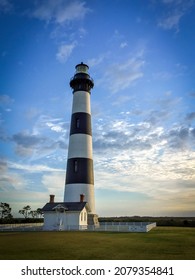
168 243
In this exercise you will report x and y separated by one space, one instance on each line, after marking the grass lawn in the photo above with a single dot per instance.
168 243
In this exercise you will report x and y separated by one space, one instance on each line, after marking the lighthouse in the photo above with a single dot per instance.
79 182
77 211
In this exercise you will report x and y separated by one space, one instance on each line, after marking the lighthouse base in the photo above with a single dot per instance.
93 220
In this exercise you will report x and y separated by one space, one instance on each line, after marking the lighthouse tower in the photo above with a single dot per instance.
79 172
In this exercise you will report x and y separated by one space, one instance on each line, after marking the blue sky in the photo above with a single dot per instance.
141 57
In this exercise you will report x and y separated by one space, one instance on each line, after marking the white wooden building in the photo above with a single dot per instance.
65 215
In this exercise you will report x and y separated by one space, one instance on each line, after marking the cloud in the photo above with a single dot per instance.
123 45
12 181
144 157
27 140
5 100
64 51
54 183
120 75
156 176
157 116
32 168
171 21
54 127
26 143
6 6
122 135
35 145
9 180
192 94
190 116
32 112
46 124
119 100
146 173
3 165
96 61
181 138
164 75
176 10
60 11
20 182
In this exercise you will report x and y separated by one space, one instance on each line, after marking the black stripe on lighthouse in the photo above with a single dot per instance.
79 171
81 123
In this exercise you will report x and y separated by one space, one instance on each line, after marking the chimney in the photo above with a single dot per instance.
51 200
82 196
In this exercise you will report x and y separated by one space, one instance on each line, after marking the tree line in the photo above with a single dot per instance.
26 211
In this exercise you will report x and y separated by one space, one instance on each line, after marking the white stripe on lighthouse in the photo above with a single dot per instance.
80 145
81 102
73 192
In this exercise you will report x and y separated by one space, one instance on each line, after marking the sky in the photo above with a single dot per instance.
141 57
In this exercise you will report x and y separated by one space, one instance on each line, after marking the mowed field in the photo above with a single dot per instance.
161 243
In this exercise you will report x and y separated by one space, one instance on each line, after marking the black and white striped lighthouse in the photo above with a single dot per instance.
79 171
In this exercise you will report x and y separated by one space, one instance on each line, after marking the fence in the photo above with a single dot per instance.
21 227
123 227
108 226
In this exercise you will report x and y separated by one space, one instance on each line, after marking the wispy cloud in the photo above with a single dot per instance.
176 10
64 51
123 45
26 143
135 157
54 183
17 179
171 21
5 100
9 180
120 76
192 94
32 168
34 144
190 116
48 123
96 61
60 11
6 6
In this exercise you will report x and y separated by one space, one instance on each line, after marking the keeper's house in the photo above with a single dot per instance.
65 215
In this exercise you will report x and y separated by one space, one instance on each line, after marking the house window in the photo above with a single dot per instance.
85 216
75 166
77 123
81 216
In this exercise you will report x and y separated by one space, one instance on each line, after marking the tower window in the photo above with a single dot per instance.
75 166
77 123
